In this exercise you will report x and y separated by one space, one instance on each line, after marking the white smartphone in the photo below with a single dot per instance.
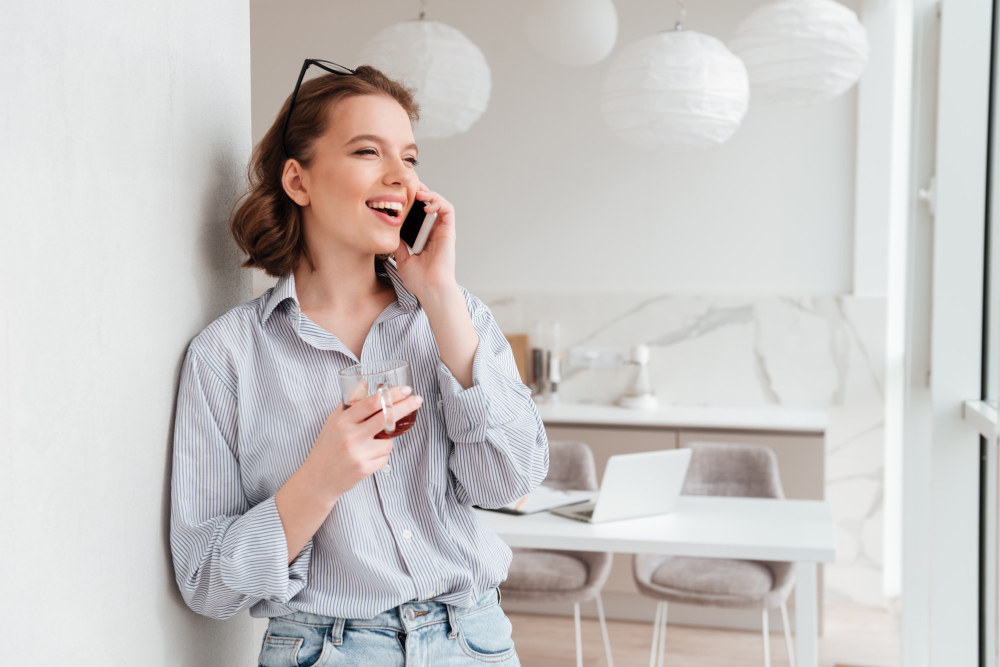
416 228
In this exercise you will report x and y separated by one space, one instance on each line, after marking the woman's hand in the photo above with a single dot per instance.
434 268
347 451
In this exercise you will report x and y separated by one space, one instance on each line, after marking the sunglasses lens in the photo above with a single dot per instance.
334 67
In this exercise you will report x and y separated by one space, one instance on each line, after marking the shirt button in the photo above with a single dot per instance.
428 595
387 468
407 534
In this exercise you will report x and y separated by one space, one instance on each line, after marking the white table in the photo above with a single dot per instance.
800 531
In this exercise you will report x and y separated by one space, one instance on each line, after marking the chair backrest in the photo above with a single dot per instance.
746 471
571 466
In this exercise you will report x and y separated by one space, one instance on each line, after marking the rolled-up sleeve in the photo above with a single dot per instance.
500 449
227 555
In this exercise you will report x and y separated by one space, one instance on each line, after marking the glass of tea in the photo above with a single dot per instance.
379 377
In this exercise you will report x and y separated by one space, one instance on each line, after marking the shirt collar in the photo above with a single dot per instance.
407 300
285 290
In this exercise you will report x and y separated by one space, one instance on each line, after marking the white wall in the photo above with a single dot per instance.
543 188
124 131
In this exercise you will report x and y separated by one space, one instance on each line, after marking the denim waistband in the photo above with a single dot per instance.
404 618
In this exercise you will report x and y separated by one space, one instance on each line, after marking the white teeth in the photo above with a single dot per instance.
396 206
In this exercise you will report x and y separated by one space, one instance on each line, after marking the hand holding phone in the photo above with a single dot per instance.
416 228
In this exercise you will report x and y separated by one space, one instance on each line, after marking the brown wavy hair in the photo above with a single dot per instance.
266 224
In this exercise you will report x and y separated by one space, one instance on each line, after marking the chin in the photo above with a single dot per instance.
386 246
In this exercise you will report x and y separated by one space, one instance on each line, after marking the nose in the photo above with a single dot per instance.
400 173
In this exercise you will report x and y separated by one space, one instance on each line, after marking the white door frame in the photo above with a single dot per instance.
940 593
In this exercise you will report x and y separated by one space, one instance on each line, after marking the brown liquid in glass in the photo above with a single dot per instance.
402 426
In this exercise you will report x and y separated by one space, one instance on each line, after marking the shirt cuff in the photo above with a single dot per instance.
465 410
492 400
254 558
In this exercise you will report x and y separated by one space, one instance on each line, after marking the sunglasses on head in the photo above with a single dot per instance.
333 68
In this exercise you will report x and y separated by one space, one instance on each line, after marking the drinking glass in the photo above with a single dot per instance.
379 377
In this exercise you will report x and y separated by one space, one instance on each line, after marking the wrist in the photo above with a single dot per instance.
435 296
313 485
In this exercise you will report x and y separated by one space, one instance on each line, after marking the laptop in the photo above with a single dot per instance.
635 485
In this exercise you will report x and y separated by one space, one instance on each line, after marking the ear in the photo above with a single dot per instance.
294 180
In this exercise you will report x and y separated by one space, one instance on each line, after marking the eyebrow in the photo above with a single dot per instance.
377 139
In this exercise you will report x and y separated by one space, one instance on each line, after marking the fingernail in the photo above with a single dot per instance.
420 401
407 391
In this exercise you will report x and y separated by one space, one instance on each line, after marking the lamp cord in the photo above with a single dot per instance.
681 13
423 10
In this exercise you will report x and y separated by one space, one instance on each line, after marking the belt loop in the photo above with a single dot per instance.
452 621
499 597
337 632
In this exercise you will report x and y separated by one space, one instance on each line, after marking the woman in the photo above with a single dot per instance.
360 550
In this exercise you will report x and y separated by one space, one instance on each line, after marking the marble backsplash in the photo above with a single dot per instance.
804 352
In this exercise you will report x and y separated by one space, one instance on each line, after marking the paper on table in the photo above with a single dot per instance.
545 498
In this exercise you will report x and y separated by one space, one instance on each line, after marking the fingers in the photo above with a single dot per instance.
435 202
364 408
376 464
375 456
360 391
376 422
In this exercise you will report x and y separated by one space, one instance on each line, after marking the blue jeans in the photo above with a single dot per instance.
414 634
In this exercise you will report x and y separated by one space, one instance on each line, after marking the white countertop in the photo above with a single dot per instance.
742 419
705 526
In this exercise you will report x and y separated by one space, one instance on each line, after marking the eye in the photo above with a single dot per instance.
412 160
366 151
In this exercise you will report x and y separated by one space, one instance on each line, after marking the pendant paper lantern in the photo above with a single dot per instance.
676 91
572 32
801 52
447 70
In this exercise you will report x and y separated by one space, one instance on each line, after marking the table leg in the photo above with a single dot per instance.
806 615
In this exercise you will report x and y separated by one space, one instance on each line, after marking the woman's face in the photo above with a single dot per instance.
365 159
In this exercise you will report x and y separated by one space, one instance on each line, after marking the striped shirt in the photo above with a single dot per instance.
256 387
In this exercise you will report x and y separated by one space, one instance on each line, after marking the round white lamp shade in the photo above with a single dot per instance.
676 91
449 73
801 52
572 32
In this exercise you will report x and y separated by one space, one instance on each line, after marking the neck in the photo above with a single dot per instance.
337 280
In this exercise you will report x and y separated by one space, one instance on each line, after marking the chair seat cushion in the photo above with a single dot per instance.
719 576
541 570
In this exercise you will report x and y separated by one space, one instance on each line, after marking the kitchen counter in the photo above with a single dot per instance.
771 419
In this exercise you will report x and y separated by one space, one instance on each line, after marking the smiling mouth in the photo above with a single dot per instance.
391 209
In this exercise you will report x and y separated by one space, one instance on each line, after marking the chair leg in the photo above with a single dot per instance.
604 630
788 635
663 635
579 641
767 639
656 635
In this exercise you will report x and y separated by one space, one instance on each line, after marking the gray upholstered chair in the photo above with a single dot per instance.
748 471
543 575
